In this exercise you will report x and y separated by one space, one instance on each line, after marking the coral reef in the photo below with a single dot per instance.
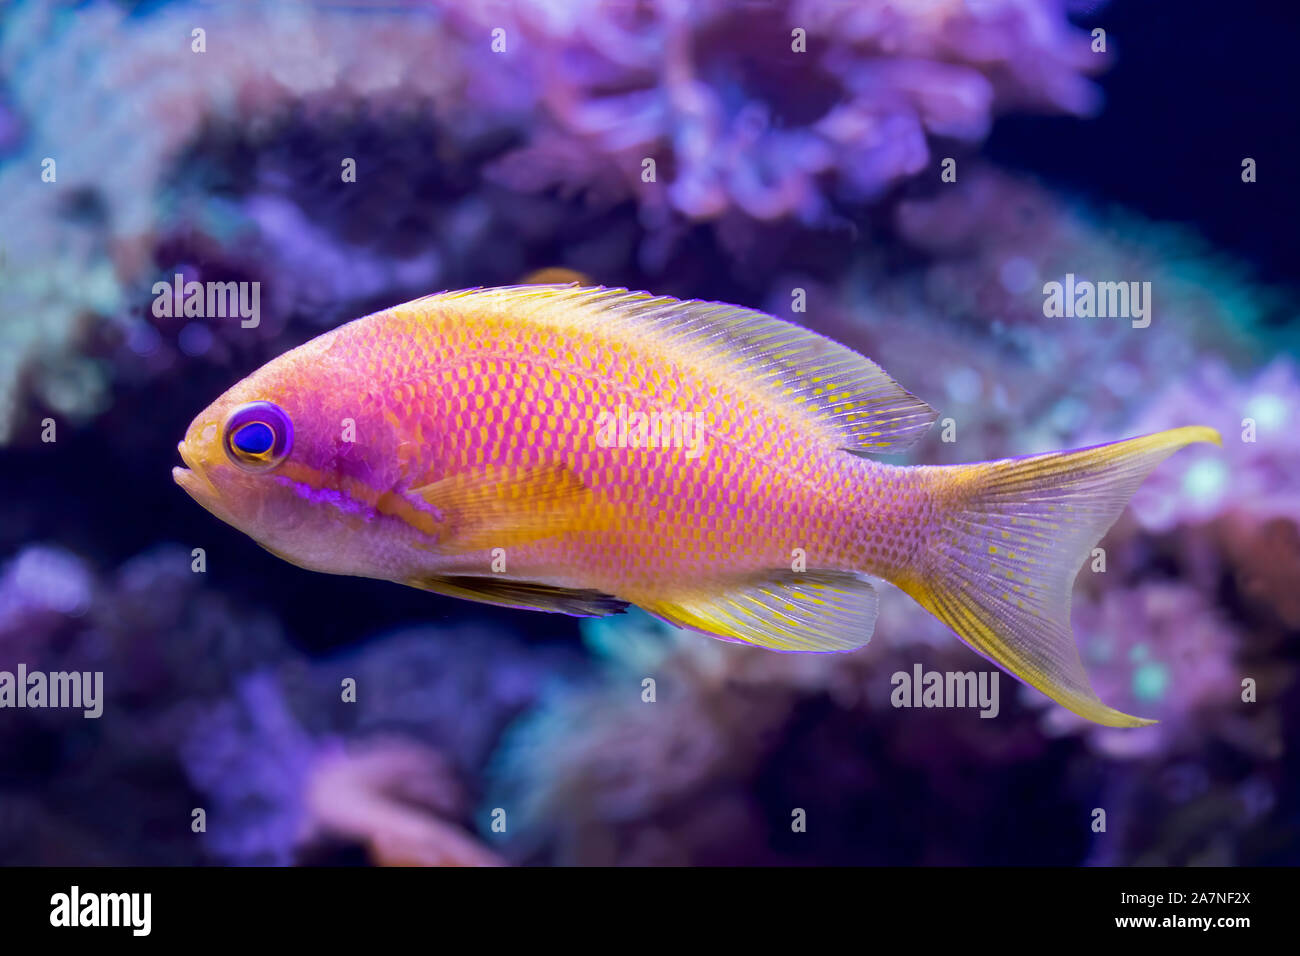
734 741
312 732
962 324
110 788
198 703
1252 475
275 791
763 112
1159 650
393 768
88 234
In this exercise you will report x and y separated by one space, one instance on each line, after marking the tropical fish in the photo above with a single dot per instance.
579 450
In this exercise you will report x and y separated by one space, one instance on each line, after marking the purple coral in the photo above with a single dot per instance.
756 109
392 770
253 759
273 789
1254 473
43 580
599 775
167 647
964 326
1159 651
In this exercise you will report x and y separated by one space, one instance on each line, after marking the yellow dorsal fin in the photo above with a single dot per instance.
846 399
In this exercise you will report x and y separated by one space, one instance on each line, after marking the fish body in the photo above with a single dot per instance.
579 450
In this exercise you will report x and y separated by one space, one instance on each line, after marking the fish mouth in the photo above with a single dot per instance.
186 479
193 479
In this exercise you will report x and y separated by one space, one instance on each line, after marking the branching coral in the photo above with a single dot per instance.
775 111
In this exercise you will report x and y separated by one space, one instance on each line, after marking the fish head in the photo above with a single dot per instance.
270 457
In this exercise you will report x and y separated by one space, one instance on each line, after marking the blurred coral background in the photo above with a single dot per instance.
776 171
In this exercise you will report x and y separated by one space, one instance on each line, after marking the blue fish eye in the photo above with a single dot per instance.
255 438
258 436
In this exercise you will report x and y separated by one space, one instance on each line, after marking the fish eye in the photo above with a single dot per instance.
257 436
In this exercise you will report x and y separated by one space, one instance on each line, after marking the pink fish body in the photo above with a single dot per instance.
579 450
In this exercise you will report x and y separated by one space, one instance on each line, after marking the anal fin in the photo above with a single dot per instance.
810 611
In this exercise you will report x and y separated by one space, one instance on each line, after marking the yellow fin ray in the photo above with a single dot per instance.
1001 568
847 400
813 611
498 506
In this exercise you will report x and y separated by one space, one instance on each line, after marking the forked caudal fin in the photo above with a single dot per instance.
1011 537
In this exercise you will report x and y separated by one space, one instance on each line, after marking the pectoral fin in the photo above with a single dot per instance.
498 506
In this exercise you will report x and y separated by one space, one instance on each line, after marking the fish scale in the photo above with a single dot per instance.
553 409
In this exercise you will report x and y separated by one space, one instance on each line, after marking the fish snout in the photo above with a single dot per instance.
193 478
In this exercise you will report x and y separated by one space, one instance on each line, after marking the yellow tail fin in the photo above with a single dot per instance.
1012 535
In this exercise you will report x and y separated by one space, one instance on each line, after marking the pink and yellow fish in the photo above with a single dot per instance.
582 449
